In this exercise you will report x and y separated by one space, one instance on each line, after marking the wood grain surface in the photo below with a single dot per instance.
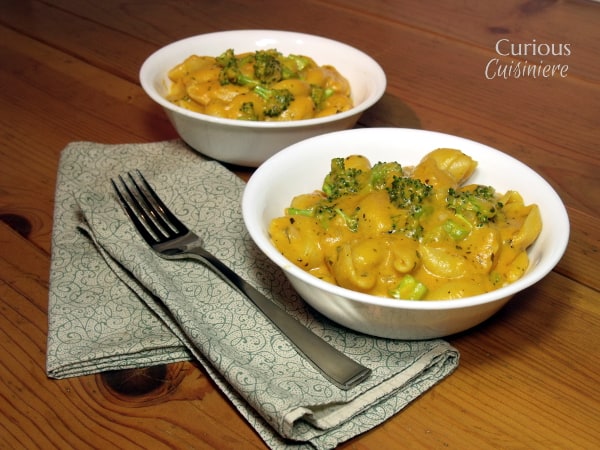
529 377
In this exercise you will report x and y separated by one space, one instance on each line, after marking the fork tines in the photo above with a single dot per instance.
150 215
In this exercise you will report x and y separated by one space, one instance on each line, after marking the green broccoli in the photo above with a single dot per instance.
477 205
276 100
457 228
295 64
408 193
229 67
340 181
267 66
247 112
271 66
409 223
343 181
409 288
308 212
231 72
350 219
383 173
319 94
325 213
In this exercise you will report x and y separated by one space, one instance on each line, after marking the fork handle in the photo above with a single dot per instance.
337 367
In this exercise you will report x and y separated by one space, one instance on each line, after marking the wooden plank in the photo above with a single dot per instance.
88 405
88 412
482 24
528 376
471 106
46 76
582 257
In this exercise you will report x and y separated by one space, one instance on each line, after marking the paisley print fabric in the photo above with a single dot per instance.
115 304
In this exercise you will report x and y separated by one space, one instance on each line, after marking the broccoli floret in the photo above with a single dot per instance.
229 67
409 223
319 94
351 220
230 70
325 214
341 180
247 112
270 66
457 228
409 288
293 65
276 100
408 193
267 66
383 173
477 205
301 62
265 71
309 212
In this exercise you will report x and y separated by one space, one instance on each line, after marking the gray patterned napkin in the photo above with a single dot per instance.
115 304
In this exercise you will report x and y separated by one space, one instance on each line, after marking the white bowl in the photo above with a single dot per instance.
250 143
301 168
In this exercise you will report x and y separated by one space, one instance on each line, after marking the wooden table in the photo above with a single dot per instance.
528 378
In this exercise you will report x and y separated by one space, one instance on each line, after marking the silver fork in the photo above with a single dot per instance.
165 233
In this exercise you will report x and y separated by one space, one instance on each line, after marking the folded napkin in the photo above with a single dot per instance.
115 304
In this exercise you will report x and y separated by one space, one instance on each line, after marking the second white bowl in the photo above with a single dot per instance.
301 168
250 143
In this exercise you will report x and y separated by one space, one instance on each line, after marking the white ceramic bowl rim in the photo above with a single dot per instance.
551 258
376 75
